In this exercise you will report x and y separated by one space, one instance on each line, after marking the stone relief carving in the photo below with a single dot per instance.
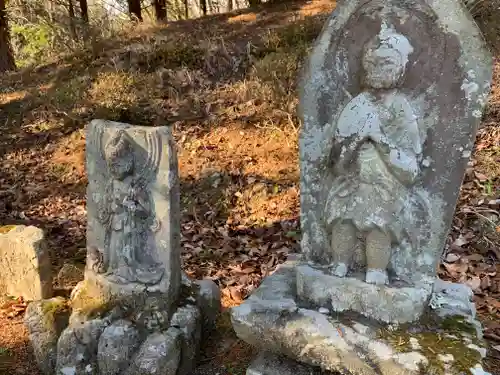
388 125
125 209
375 160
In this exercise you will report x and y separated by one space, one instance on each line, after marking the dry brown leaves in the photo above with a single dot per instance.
236 259
472 254
13 308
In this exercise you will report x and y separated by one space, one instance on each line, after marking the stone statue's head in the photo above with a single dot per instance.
119 155
385 57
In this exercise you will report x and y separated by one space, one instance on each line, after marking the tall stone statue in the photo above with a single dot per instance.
388 130
390 99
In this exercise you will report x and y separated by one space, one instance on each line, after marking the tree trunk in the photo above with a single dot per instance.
186 9
72 26
134 9
84 11
203 4
6 54
160 9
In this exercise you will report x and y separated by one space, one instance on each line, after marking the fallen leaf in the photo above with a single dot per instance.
460 241
452 257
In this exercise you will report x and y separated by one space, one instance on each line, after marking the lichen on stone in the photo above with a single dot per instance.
53 310
90 301
449 337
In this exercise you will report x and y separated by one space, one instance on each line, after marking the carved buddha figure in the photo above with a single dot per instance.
130 255
375 160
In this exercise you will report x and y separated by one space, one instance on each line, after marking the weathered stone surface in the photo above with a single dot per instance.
45 321
209 302
77 348
384 303
274 319
131 290
133 229
159 354
188 320
451 299
25 263
389 89
117 344
267 363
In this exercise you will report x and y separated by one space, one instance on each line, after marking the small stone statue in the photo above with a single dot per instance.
126 210
376 157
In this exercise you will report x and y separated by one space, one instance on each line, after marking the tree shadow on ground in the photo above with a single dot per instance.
40 105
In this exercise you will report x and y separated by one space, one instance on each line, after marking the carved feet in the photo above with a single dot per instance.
340 270
378 277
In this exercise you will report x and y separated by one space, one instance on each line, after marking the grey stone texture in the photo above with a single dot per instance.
209 301
159 354
45 321
128 315
133 205
390 87
116 345
188 320
77 348
276 319
24 263
383 303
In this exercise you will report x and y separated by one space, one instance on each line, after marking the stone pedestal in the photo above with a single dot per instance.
324 335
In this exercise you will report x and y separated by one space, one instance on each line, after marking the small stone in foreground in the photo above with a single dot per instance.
25 269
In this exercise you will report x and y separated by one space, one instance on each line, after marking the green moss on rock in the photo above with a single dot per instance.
90 301
55 312
451 335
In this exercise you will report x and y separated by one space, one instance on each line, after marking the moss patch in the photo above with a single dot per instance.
90 300
55 313
451 335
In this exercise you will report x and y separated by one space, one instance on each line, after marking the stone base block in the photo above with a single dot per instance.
445 340
388 304
111 337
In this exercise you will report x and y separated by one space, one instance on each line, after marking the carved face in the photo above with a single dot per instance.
119 156
385 58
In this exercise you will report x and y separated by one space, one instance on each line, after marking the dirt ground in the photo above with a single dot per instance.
227 86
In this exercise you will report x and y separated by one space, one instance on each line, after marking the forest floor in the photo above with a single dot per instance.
227 86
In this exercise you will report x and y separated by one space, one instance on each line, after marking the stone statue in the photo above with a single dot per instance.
376 155
381 158
134 312
125 210
390 99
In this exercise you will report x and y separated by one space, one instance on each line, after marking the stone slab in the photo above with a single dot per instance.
25 269
380 302
133 231
390 88
273 319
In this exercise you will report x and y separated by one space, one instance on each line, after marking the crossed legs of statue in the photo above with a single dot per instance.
378 252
